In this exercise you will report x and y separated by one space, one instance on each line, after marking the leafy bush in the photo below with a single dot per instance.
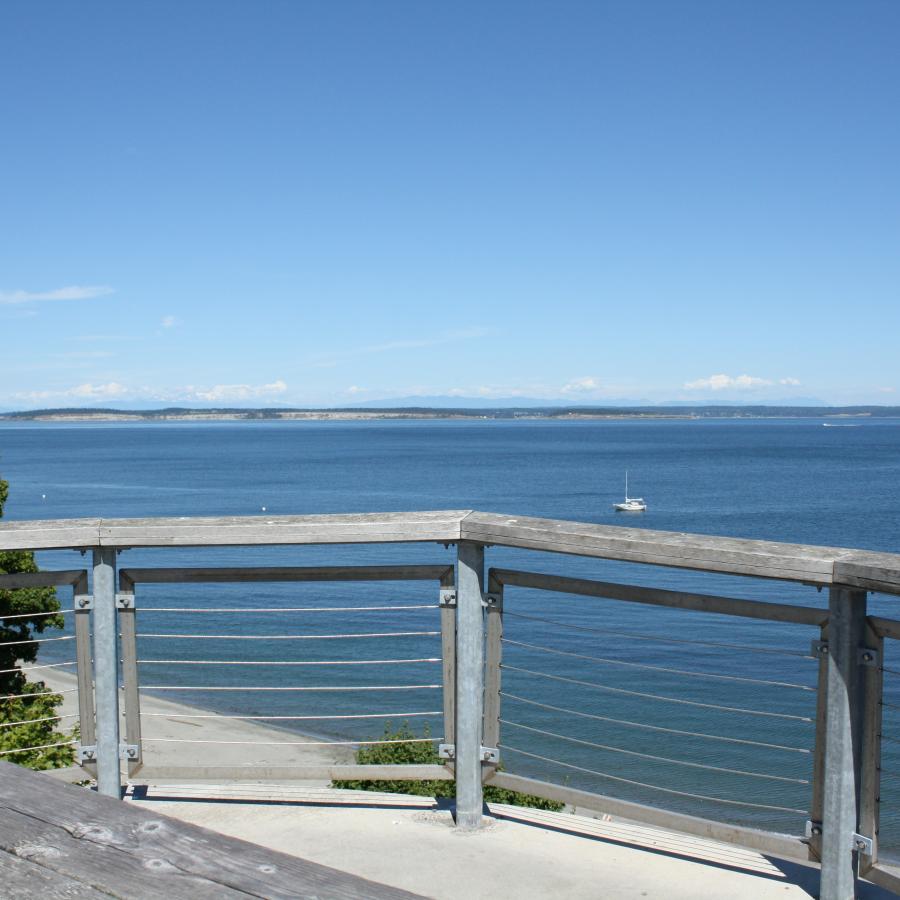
425 753
29 606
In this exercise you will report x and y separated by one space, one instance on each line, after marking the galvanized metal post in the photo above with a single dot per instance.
469 683
843 730
106 673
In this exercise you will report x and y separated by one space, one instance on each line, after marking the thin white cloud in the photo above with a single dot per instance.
792 382
222 392
330 360
88 391
727 382
169 322
584 385
72 292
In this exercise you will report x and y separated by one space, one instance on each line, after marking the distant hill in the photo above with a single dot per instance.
722 411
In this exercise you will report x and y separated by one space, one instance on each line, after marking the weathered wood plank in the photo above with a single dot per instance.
49 534
889 628
286 573
784 846
884 876
869 571
709 603
23 879
128 852
41 579
765 559
373 528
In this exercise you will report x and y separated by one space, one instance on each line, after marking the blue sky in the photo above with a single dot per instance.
333 202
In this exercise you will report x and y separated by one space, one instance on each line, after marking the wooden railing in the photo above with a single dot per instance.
479 659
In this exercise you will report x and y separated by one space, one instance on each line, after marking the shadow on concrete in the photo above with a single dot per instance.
719 856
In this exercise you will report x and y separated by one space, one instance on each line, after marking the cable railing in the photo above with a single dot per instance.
280 671
27 732
757 722
559 700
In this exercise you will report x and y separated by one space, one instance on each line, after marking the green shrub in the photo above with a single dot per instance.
23 613
392 753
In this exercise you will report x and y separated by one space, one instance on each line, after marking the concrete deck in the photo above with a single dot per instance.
410 843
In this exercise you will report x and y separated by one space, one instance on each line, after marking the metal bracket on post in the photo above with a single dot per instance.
124 601
492 601
83 602
487 754
818 649
87 753
131 752
447 598
813 830
863 844
867 656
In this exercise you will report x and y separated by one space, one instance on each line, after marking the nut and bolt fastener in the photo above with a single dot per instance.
867 657
83 602
860 845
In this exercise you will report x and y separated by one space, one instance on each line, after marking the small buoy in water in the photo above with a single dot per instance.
263 508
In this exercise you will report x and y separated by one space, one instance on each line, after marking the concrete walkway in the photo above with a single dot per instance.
410 843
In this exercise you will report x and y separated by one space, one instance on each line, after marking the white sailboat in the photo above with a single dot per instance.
631 504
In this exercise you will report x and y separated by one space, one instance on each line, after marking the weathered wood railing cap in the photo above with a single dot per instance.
736 556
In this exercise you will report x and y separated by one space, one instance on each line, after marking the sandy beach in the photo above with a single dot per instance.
168 728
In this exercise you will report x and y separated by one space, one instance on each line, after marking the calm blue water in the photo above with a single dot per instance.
790 480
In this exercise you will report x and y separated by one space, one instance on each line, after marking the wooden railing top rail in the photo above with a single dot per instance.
735 556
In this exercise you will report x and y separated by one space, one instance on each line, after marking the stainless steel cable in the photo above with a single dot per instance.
615 690
283 609
656 787
647 727
34 615
38 747
43 719
387 687
161 740
694 674
37 694
304 662
66 637
664 759
399 715
665 640
32 668
288 637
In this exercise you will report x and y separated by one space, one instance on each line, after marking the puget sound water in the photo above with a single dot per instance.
644 689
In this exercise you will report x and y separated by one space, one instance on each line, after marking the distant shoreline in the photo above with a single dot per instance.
419 413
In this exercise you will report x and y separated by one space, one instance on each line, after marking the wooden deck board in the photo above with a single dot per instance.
80 837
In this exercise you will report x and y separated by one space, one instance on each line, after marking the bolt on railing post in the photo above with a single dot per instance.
106 672
843 731
469 683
